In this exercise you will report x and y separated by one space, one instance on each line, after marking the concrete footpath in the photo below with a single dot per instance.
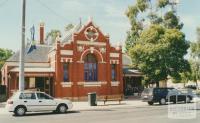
109 105
84 106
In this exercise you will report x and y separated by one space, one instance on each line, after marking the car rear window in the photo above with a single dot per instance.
147 90
15 95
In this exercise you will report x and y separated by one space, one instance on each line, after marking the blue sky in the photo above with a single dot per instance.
107 14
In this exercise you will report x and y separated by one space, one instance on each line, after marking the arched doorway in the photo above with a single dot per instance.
90 68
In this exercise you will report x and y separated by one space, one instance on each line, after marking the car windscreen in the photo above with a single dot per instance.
174 92
43 96
148 91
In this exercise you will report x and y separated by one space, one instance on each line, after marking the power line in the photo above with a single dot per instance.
52 10
3 3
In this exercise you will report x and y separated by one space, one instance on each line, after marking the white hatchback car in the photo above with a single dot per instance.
34 101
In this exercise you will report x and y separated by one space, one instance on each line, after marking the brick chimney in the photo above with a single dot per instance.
41 33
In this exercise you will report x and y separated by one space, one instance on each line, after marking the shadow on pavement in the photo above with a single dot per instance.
46 113
99 110
179 103
112 104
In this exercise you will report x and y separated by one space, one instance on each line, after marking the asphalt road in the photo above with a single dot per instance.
144 114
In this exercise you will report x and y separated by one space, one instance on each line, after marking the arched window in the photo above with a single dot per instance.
90 68
66 72
113 72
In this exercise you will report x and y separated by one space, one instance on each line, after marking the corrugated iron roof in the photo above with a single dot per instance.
68 35
38 55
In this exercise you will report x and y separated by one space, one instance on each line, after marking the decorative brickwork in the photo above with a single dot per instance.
88 40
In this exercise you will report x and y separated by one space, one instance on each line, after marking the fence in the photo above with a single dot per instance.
2 89
2 93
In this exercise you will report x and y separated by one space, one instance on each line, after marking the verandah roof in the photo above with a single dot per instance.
34 69
131 72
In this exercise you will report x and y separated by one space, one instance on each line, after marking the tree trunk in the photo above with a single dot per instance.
196 85
184 84
157 84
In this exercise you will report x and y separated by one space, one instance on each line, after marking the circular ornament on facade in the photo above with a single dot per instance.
91 33
102 50
80 48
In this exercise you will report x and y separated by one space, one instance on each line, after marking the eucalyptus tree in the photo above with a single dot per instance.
155 41
195 58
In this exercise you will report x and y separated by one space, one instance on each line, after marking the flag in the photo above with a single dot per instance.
32 47
33 43
32 30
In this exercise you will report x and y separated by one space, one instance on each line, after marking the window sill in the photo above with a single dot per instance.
66 84
92 84
115 83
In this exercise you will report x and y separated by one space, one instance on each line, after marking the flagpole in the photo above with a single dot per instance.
22 48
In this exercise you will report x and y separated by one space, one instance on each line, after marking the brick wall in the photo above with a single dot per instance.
74 53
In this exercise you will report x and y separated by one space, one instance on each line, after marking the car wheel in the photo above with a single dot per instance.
55 111
150 103
62 108
162 101
20 111
188 100
174 102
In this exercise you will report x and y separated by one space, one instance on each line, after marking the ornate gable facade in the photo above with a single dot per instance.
87 63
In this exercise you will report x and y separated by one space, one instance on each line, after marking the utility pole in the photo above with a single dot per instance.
22 49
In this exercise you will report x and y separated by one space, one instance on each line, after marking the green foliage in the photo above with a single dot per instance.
159 52
198 34
155 19
138 19
195 73
69 27
195 58
142 5
51 36
129 41
195 47
172 21
132 12
163 3
4 55
156 49
137 25
183 78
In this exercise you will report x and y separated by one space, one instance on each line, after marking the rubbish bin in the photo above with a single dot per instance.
92 99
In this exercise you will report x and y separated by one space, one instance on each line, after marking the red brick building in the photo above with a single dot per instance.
80 62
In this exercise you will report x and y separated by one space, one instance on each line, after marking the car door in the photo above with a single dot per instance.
172 95
182 97
157 95
29 100
46 103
